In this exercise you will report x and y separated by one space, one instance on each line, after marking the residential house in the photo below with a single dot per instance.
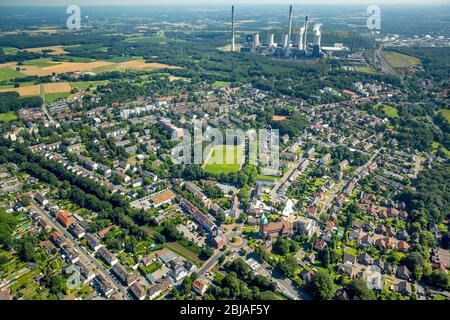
93 242
137 291
403 273
110 258
200 286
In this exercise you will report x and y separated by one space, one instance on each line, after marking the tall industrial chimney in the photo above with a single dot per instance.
286 42
305 33
300 38
317 35
257 42
288 49
271 40
233 44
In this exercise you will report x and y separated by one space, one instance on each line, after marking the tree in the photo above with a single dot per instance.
206 253
262 253
321 286
439 279
415 262
288 266
26 251
187 285
358 290
7 224
159 238
281 246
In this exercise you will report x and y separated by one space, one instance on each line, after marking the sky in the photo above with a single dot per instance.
221 2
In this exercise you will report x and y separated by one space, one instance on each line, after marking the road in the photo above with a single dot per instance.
273 193
90 261
338 187
378 57
285 285
208 265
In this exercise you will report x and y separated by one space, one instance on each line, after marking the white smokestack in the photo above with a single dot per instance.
233 43
300 38
257 42
271 40
317 34
288 47
285 41
305 33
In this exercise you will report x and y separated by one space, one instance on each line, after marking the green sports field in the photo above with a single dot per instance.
224 159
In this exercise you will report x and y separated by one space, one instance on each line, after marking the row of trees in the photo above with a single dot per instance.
12 101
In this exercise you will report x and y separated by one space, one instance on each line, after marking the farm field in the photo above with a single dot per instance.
53 50
6 73
224 159
47 67
9 50
35 90
40 63
82 85
398 60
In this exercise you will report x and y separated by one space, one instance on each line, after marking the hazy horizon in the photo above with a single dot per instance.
219 2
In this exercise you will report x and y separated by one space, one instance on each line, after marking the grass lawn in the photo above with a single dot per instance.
390 111
260 176
154 266
82 85
446 114
398 60
224 159
66 58
9 50
104 69
149 39
436 146
40 63
8 74
221 83
7 117
52 97
122 59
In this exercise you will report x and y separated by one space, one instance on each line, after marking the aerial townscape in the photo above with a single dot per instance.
346 196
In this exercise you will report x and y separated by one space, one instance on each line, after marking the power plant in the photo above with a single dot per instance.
289 47
233 38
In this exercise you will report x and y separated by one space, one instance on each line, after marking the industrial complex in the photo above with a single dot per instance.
294 43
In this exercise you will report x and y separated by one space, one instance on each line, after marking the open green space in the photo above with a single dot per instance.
398 60
224 159
7 117
446 114
9 50
82 85
40 63
149 39
221 83
390 111
52 97
9 74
